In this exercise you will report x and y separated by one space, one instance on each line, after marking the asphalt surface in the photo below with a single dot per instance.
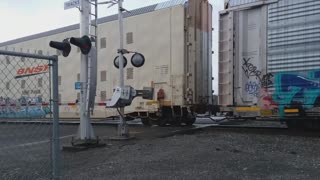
157 153
25 151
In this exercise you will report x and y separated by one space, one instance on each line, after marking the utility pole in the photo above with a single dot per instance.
85 129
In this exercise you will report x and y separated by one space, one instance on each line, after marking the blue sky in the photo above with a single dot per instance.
20 18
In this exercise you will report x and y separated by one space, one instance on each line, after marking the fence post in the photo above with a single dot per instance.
55 132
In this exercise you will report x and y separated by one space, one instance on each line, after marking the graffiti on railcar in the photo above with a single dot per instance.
289 89
297 90
253 88
250 70
24 107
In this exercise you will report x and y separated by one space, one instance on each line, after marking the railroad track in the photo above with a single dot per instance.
248 127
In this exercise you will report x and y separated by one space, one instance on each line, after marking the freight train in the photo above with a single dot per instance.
176 39
269 60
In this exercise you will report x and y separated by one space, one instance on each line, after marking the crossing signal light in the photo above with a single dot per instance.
116 62
137 60
63 46
83 43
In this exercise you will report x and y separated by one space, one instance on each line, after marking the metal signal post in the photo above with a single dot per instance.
122 129
85 129
123 132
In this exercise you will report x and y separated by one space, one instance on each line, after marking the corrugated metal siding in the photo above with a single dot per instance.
233 3
294 35
170 4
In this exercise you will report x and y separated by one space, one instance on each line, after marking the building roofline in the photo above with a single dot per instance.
102 20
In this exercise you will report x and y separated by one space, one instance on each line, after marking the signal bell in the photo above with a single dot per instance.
83 43
63 46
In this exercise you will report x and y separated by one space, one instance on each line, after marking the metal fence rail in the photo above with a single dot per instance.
29 127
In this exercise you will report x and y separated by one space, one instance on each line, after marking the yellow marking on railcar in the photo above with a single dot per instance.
266 112
248 109
163 103
291 110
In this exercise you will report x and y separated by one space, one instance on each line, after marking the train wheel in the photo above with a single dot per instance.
162 121
175 121
146 122
190 121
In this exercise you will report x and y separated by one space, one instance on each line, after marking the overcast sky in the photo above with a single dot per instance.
21 18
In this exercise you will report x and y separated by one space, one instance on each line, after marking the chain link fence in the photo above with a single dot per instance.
28 132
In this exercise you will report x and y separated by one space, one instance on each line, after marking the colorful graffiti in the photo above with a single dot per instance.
296 89
23 108
291 89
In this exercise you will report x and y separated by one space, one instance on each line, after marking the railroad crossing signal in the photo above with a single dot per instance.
63 46
116 62
83 43
137 59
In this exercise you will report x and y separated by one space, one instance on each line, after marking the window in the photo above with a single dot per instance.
40 52
8 85
129 73
40 82
78 97
23 84
78 77
59 98
103 75
103 95
129 38
103 43
59 80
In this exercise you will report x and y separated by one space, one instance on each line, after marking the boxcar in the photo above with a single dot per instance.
175 38
269 60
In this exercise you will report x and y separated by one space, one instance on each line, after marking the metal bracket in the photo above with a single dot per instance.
124 51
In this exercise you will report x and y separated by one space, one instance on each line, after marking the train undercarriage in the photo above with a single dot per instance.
295 117
167 115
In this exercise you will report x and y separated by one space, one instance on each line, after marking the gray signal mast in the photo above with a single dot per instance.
88 67
123 95
86 131
122 128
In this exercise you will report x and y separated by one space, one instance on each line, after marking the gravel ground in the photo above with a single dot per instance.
209 154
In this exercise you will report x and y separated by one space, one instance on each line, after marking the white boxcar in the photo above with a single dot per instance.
175 38
269 58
